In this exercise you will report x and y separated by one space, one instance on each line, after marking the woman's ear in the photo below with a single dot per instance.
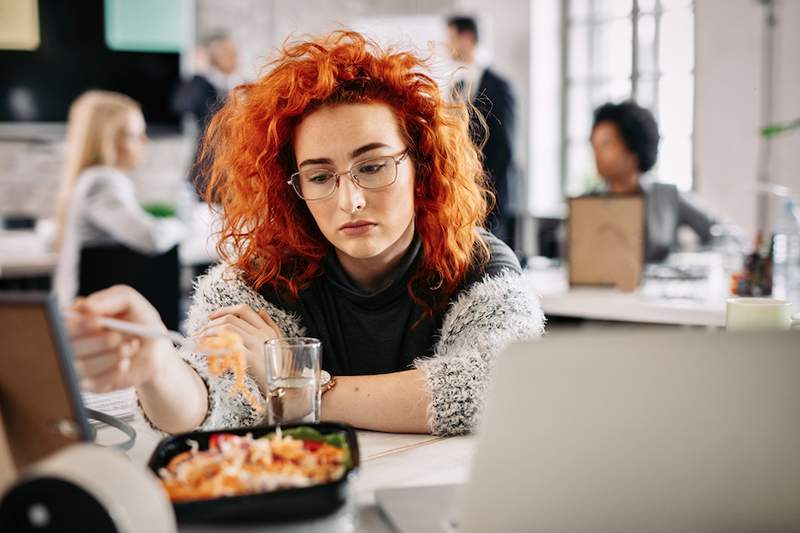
635 162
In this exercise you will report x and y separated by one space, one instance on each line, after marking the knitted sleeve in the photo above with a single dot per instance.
491 314
222 287
478 325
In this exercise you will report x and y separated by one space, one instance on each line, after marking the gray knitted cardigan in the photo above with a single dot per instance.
487 316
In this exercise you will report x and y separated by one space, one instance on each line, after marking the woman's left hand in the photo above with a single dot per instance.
254 328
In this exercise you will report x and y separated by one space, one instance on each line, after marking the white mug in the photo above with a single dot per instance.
759 314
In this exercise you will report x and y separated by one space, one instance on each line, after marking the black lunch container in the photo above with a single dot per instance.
276 506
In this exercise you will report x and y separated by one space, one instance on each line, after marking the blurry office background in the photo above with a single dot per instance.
712 71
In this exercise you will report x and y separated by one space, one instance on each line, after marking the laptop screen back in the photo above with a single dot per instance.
40 405
630 432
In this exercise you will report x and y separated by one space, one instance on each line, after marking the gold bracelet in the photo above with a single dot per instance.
329 385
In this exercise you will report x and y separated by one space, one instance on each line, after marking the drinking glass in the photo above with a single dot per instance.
293 379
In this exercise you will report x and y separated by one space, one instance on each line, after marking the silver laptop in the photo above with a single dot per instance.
674 432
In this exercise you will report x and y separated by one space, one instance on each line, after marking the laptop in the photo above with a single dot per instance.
669 431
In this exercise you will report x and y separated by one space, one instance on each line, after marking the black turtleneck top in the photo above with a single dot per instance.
374 332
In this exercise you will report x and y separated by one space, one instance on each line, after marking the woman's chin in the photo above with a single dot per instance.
361 248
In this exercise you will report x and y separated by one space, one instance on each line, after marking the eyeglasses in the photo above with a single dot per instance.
371 174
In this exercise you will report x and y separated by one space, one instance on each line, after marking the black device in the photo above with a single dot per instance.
72 58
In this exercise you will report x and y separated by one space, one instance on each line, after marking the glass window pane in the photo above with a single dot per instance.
579 9
614 90
647 6
647 44
600 69
676 105
581 173
675 161
579 112
605 9
578 55
646 92
676 42
612 49
672 4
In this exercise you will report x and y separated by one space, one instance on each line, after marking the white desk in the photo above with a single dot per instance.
387 460
688 303
25 253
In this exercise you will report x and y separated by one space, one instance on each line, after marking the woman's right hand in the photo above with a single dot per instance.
108 360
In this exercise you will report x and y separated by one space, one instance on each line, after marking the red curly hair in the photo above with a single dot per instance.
267 230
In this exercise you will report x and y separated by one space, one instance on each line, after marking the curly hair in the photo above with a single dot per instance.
636 126
267 230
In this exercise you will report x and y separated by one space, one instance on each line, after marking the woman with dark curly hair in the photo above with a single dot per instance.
352 204
625 142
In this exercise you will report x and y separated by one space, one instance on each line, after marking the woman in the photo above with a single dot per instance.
351 203
97 210
625 143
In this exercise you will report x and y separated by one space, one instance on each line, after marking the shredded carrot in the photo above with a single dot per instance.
226 352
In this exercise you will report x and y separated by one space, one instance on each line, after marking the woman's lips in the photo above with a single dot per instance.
357 228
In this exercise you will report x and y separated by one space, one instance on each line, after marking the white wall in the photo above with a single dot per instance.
259 27
728 93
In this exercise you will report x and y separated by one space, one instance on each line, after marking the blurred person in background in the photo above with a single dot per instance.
625 141
493 104
217 62
98 216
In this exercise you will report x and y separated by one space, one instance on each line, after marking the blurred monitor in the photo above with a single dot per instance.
88 45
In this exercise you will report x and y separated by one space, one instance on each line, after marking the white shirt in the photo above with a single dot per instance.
223 83
471 75
104 210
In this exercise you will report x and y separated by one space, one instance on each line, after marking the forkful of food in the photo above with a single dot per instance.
120 341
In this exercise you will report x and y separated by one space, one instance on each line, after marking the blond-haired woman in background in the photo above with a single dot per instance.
97 208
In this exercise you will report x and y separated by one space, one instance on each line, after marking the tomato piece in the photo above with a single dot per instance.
217 438
311 445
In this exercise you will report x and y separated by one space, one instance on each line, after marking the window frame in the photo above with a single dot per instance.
637 75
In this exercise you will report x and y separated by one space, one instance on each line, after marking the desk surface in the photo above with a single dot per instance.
688 303
691 303
387 460
25 253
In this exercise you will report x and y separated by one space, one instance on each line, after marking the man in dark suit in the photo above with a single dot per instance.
493 98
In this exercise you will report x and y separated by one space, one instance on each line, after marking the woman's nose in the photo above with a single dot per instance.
351 196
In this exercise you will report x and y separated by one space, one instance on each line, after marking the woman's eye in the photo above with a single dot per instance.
322 177
371 168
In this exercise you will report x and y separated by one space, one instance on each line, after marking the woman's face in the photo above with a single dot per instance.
615 162
362 224
132 140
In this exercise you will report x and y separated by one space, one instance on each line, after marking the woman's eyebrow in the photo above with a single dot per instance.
321 161
366 148
355 153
